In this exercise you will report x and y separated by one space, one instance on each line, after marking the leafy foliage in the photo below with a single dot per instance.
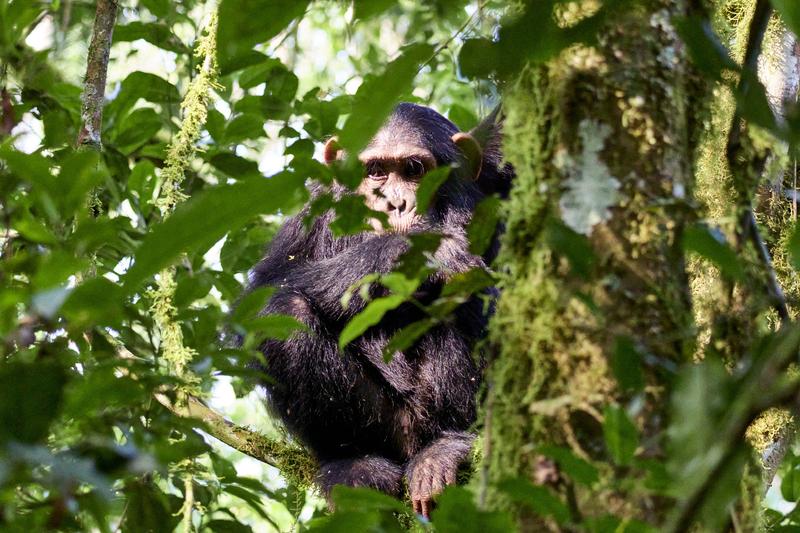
84 444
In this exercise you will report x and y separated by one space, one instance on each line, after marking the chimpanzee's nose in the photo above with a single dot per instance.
398 204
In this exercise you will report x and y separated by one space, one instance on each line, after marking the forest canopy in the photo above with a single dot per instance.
642 369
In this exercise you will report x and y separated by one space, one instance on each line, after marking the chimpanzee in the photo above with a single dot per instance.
372 423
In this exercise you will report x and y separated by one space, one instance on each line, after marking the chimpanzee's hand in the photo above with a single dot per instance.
435 467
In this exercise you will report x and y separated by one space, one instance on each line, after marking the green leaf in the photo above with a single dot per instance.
159 8
366 9
215 124
462 117
428 186
281 84
360 498
228 526
400 284
137 128
31 399
707 52
790 485
347 522
477 58
620 434
793 247
141 85
156 33
699 239
245 23
483 226
149 509
626 363
351 215
251 304
790 12
406 336
572 245
368 317
456 512
95 301
580 470
244 127
539 499
536 37
205 218
274 326
467 283
752 103
235 166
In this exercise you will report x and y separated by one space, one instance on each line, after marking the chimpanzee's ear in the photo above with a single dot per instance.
487 133
332 151
471 153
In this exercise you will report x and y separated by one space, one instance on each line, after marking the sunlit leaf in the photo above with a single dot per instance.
428 186
790 13
244 23
368 317
208 216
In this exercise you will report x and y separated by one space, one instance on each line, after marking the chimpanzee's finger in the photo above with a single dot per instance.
426 508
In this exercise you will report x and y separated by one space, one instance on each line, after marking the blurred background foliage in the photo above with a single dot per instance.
84 445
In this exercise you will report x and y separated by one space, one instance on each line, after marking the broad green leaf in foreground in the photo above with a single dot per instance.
367 318
245 23
207 217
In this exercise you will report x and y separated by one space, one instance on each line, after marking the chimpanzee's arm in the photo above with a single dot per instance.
325 281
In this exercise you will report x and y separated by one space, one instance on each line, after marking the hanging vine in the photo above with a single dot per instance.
179 156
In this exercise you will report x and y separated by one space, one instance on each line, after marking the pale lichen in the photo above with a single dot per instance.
590 189
179 156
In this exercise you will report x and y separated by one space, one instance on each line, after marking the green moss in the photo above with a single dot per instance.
555 331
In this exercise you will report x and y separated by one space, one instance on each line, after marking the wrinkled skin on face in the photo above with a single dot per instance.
392 176
397 158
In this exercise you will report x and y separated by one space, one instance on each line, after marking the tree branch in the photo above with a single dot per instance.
295 463
94 88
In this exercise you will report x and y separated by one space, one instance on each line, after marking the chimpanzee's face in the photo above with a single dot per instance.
393 170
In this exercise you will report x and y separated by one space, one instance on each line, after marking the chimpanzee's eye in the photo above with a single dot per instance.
414 168
375 170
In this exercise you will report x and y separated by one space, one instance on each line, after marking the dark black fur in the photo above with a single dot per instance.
370 422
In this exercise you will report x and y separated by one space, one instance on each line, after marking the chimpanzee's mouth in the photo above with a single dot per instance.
402 223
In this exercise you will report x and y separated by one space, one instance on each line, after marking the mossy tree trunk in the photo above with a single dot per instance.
603 140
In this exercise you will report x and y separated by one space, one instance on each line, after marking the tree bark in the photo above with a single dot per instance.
96 71
619 147
601 139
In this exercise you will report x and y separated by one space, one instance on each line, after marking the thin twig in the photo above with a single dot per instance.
446 43
747 223
94 88
291 460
